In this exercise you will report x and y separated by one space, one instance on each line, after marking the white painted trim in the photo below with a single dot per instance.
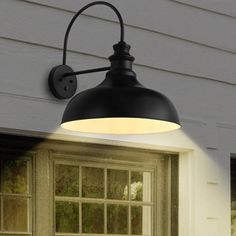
73 138
186 194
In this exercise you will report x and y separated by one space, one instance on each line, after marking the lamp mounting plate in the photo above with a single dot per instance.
63 86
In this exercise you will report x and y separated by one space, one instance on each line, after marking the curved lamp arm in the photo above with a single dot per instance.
62 79
80 12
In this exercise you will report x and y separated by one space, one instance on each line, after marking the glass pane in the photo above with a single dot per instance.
117 219
117 182
233 222
147 220
67 217
67 180
15 211
140 186
93 218
92 182
15 176
137 220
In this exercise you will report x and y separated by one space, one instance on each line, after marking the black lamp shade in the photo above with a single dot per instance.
120 104
120 108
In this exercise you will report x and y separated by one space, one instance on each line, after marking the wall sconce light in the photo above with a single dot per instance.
120 104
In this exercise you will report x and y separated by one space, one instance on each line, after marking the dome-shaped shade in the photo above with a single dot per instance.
125 110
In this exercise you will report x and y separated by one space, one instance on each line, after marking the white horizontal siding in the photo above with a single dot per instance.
227 7
25 113
167 17
46 26
25 69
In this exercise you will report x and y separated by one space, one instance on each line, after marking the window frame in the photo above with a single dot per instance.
44 149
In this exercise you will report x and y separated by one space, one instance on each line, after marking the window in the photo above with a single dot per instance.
15 194
112 200
86 189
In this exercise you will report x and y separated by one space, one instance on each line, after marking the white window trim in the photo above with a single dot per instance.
186 194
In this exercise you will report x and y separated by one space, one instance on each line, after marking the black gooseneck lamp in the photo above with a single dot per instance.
120 104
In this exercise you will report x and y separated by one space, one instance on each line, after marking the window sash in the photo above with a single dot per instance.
27 156
74 160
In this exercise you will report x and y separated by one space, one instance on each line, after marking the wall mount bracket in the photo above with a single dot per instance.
62 79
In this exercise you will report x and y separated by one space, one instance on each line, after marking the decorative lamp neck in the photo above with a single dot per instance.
121 59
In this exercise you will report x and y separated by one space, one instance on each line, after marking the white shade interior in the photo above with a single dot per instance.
120 126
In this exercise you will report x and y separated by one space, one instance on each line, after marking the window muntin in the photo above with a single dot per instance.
120 197
15 194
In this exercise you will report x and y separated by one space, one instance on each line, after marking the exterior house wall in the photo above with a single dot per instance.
184 50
